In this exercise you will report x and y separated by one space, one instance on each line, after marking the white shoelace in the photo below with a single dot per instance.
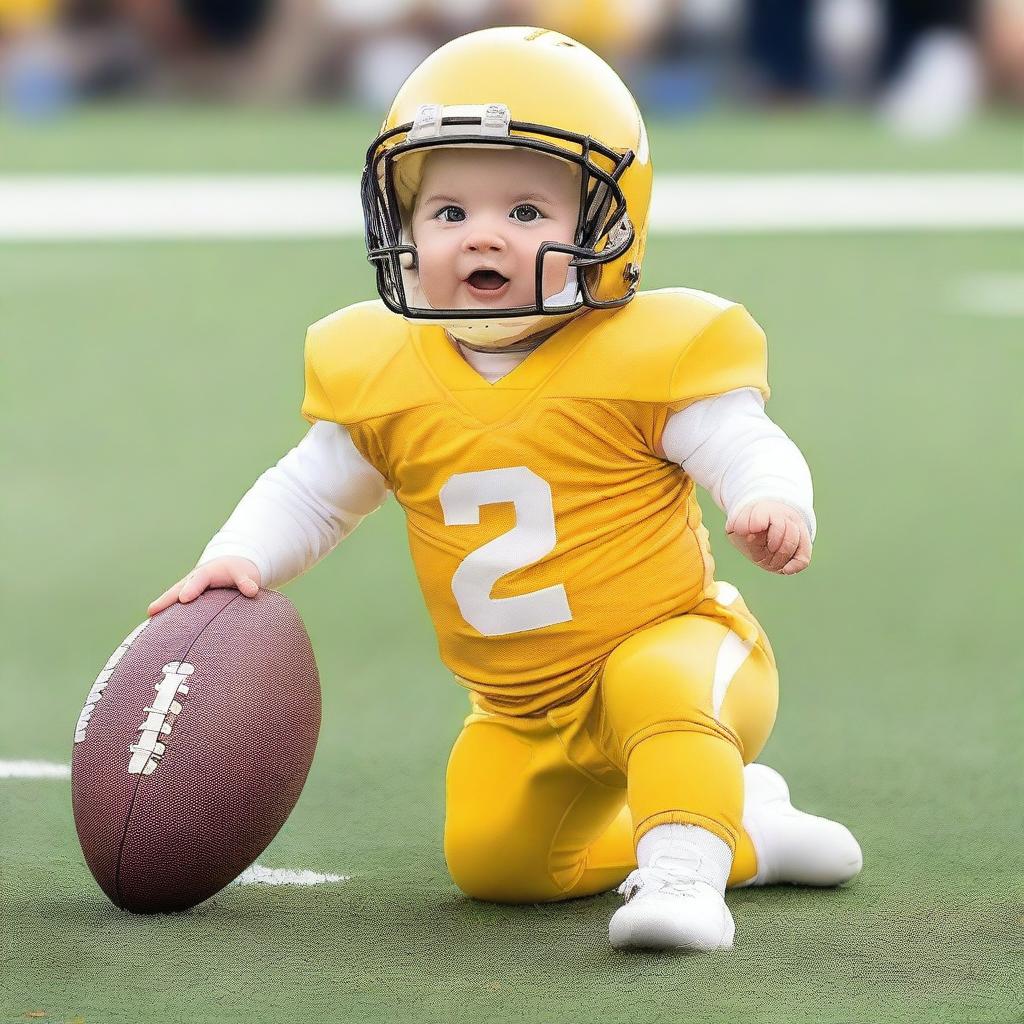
675 868
659 880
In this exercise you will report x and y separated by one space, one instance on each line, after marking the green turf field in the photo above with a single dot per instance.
325 139
149 384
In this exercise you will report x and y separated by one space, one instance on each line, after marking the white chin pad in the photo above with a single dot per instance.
514 328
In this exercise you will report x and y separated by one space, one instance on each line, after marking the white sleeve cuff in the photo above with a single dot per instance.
300 509
732 449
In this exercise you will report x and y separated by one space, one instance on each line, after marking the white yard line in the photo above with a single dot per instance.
260 875
68 208
995 294
838 202
34 770
255 875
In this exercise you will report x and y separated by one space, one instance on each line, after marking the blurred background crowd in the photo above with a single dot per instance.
926 64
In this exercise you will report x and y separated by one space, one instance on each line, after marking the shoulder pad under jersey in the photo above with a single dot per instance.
674 345
359 364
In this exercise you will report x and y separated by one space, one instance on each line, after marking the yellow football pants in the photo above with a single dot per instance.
551 807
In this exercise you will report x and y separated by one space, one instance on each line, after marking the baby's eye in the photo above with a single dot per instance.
451 214
530 209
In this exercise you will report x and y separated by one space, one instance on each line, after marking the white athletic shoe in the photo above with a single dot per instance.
669 906
791 846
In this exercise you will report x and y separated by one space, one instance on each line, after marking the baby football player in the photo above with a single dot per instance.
544 424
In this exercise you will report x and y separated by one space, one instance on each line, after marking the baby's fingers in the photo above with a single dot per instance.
194 584
248 586
759 518
214 574
786 546
749 521
801 557
166 599
778 528
738 522
796 564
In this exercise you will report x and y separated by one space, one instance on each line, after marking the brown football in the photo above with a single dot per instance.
193 747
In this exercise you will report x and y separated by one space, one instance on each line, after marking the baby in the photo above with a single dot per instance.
543 425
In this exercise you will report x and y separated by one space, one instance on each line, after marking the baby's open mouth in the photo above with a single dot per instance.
486 280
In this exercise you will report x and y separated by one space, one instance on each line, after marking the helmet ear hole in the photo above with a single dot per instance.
408 261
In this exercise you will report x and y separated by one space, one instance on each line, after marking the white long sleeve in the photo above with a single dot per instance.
732 449
300 509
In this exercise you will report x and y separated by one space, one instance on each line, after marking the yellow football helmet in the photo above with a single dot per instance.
506 87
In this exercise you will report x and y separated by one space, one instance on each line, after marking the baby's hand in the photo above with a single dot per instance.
219 572
772 535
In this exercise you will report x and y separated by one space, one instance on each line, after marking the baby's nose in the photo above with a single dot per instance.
483 241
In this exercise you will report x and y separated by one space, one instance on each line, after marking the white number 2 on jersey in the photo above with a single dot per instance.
530 539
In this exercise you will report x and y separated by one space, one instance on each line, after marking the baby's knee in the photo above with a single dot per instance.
498 869
663 674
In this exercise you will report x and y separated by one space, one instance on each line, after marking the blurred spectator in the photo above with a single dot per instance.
933 60
690 57
925 52
930 59
847 38
799 49
1002 38
35 80
374 46
618 31
779 45
241 49
16 15
909 21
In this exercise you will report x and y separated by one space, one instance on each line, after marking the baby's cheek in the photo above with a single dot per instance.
435 282
556 266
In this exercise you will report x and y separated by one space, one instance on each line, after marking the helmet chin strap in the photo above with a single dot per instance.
508 330
527 344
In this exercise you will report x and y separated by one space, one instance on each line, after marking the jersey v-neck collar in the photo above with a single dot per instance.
478 397
493 364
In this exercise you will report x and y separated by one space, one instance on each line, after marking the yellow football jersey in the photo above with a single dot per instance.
544 525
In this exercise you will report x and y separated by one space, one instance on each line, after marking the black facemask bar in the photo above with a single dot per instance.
600 213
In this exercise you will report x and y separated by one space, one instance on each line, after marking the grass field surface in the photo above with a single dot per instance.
153 382
143 138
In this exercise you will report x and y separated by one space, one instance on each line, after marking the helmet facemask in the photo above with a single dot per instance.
603 231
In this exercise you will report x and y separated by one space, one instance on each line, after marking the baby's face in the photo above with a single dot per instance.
479 219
